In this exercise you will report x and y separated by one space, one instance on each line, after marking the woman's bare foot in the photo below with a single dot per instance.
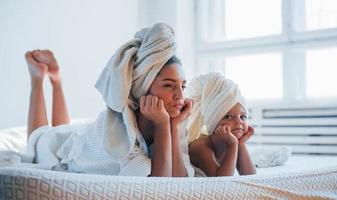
37 70
47 57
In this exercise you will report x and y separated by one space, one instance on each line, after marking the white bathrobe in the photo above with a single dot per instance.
112 144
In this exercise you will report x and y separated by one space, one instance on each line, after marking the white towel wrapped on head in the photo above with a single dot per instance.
128 76
213 97
134 66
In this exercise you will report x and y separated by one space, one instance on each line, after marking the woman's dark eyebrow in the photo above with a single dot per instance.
169 79
172 80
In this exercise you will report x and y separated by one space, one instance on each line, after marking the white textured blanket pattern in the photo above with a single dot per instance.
16 183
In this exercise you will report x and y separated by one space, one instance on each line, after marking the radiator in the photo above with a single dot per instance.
305 129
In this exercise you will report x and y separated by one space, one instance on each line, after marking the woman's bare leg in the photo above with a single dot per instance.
59 111
37 115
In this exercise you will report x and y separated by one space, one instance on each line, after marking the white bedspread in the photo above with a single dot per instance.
300 177
18 183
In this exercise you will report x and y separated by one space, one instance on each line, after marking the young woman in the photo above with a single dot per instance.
139 132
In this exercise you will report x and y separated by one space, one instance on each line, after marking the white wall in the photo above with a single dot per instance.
83 34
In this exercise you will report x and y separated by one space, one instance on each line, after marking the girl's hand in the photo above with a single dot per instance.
224 134
247 135
153 109
184 113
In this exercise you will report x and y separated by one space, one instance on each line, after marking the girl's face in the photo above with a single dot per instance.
169 86
236 119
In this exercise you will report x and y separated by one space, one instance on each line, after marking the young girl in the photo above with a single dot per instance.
138 134
220 107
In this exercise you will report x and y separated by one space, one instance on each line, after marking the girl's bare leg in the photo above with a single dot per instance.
37 115
59 111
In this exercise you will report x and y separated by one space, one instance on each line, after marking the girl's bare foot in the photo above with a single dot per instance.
37 70
47 57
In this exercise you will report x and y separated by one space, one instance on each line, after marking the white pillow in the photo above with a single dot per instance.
14 138
270 157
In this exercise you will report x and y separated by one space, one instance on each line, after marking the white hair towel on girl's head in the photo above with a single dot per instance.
213 97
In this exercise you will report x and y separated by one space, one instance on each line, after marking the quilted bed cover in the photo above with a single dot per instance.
30 183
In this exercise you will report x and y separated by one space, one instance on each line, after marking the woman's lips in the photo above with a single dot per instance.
237 131
178 106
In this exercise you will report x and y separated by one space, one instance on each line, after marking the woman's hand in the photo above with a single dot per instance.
223 133
247 135
153 109
184 113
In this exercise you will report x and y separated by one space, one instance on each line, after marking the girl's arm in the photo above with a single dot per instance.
245 165
226 144
202 156
228 164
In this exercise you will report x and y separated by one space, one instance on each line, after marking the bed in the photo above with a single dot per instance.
16 183
300 177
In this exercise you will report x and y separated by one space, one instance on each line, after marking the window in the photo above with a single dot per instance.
267 72
315 14
246 19
321 72
230 20
274 49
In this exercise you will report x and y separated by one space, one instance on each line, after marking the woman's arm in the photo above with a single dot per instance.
178 166
162 158
153 109
245 165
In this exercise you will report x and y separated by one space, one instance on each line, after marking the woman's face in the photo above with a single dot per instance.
236 119
169 86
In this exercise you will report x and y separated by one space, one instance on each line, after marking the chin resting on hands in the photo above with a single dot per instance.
224 134
153 109
184 113
247 135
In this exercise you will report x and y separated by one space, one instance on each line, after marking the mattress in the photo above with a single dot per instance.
284 183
